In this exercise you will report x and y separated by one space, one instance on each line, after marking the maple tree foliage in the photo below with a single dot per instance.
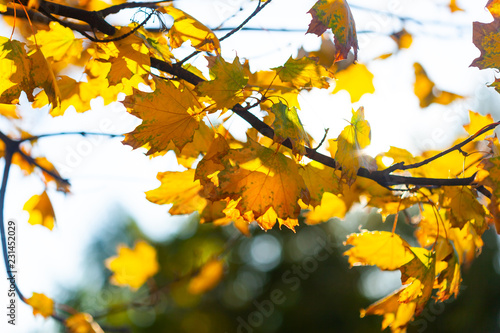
276 175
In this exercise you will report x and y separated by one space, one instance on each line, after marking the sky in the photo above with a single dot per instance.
107 176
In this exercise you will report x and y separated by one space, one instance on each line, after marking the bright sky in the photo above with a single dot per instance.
107 175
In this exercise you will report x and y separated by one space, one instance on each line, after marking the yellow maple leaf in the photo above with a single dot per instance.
226 89
464 208
41 304
331 206
418 277
179 189
9 111
132 267
23 72
336 15
396 315
386 250
303 73
40 209
477 122
356 79
209 276
320 179
403 39
427 92
454 7
82 323
287 125
186 27
163 122
448 282
493 7
43 76
58 43
351 141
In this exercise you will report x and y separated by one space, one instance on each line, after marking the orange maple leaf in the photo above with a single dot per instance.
168 114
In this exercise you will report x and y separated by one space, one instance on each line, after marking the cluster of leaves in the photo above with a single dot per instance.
275 175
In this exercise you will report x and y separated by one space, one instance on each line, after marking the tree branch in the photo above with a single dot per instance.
382 177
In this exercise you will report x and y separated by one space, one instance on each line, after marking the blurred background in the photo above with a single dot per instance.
275 281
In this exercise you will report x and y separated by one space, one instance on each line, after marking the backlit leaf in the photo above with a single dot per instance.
426 91
263 178
303 73
356 79
186 28
59 42
82 323
41 304
320 179
287 125
40 209
179 189
351 141
384 249
162 122
226 87
477 122
208 278
331 206
132 267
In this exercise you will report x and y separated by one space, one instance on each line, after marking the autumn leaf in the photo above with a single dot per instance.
331 206
426 91
226 87
262 178
448 282
396 315
454 7
186 28
486 38
351 141
58 43
386 250
179 189
418 276
320 179
403 38
356 79
82 323
163 122
464 208
478 122
40 209
303 73
23 72
209 276
9 111
287 125
336 15
132 267
41 304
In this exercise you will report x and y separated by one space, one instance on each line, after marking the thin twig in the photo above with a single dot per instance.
260 6
82 133
447 151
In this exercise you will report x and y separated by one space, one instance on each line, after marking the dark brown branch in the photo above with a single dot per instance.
94 19
383 177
